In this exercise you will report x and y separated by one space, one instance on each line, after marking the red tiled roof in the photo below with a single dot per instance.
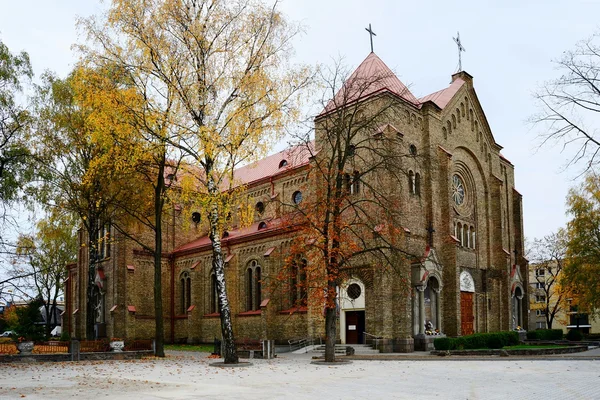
442 97
371 76
233 235
295 156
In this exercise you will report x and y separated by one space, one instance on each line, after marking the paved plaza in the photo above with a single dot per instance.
188 376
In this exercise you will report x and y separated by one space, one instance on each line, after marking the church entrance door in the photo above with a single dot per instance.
466 313
355 326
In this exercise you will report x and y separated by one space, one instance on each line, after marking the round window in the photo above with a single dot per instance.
458 190
196 217
260 207
354 291
297 197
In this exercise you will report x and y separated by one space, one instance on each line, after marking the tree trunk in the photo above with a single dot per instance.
159 332
91 292
330 331
47 310
229 350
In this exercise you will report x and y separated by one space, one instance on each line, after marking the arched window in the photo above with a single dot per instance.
445 132
449 127
465 236
347 183
460 233
283 163
411 182
297 283
355 183
253 286
473 237
260 207
185 291
453 121
458 115
418 184
468 234
249 289
462 109
214 296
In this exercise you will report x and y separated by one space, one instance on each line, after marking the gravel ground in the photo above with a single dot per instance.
188 376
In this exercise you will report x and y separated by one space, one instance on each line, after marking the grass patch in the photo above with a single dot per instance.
204 348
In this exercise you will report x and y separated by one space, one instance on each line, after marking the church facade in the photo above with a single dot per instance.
463 220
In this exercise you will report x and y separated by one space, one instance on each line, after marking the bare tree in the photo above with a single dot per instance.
570 105
351 219
547 259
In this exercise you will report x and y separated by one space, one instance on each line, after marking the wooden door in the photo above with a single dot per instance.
466 313
355 326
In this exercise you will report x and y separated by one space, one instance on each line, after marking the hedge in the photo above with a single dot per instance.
574 335
545 334
494 340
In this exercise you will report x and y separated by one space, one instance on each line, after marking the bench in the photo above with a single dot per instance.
247 348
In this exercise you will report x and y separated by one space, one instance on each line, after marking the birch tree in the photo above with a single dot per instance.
227 63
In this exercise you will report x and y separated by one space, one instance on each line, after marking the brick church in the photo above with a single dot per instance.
469 276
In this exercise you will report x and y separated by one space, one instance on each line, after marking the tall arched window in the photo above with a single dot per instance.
460 233
411 182
253 286
355 183
185 291
347 183
473 237
297 282
418 184
465 238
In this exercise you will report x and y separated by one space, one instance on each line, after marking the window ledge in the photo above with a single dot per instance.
212 315
295 310
250 313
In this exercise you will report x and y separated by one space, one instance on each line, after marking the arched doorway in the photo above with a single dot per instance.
467 289
517 319
352 311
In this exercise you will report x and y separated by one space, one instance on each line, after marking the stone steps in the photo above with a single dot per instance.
340 349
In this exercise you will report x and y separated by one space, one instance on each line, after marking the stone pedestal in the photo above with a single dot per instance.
425 342
404 345
25 347
117 345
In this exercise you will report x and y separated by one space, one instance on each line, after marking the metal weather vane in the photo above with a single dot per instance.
460 50
371 34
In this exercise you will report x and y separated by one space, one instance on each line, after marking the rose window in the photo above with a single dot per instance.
458 190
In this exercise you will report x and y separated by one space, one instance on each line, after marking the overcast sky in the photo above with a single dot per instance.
510 45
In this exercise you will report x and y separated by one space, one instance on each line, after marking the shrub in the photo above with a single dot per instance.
495 340
442 343
65 337
545 334
574 335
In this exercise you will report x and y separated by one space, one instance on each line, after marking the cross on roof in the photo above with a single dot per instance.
460 50
371 34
